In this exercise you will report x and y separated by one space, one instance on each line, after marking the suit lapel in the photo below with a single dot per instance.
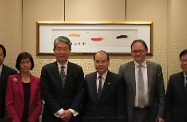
55 71
131 76
32 88
149 75
180 84
106 85
2 77
3 73
69 74
93 87
20 85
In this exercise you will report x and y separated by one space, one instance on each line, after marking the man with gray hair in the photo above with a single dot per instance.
62 85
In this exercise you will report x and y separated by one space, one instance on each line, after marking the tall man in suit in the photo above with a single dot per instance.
176 94
5 71
62 94
109 101
145 86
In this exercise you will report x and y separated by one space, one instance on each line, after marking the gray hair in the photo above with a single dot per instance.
62 39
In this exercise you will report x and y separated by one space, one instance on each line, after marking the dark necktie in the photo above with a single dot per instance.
141 97
62 76
100 87
186 86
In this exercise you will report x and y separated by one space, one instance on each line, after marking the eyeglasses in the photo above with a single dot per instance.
26 62
183 60
137 51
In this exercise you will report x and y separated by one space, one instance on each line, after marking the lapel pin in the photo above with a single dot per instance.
15 79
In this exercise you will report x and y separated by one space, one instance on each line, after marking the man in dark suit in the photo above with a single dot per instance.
5 71
109 101
176 94
62 92
144 86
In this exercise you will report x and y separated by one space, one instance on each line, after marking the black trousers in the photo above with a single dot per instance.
141 115
6 120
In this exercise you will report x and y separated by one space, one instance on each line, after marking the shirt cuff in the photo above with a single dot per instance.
59 112
75 113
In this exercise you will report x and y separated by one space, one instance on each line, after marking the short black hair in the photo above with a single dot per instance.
108 58
62 39
24 55
4 50
184 52
141 41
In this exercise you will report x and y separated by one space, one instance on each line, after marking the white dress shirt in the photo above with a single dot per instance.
145 77
1 67
103 79
59 112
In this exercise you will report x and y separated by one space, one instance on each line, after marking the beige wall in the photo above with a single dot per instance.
156 11
177 33
19 33
95 10
11 29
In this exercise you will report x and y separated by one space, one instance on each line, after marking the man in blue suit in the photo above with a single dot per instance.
5 71
105 92
62 95
176 94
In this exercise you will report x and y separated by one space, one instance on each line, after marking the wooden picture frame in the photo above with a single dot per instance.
90 37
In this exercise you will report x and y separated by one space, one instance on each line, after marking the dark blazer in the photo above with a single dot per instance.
6 71
55 96
15 98
155 89
112 101
176 99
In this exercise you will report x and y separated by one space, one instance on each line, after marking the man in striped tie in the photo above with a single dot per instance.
62 85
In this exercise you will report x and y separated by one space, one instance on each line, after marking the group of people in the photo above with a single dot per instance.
135 94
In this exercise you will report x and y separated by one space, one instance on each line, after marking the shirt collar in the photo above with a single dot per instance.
103 76
144 64
1 68
65 65
185 76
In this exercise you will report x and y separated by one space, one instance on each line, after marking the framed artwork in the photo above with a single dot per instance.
90 37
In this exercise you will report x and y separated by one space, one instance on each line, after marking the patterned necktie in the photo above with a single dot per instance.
100 87
62 76
141 97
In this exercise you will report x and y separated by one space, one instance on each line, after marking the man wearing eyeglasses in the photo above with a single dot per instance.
105 92
176 94
144 86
